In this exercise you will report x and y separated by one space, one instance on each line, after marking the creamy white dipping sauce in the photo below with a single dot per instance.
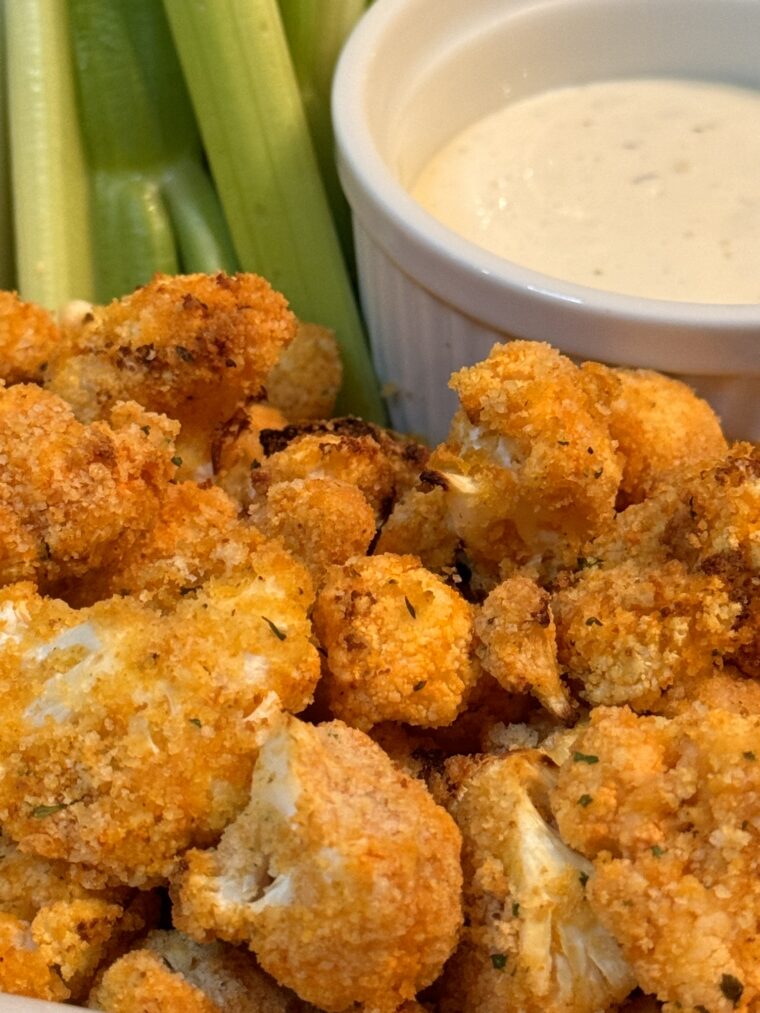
647 187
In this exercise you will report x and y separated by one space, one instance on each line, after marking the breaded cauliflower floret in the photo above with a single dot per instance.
174 343
322 521
660 425
420 524
73 496
669 813
398 643
170 972
532 943
532 468
190 346
68 929
380 463
197 535
236 449
342 875
29 337
129 735
305 380
517 642
629 633
23 968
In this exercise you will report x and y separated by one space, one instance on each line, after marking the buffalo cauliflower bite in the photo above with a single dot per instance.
628 633
668 810
66 929
305 380
322 521
197 535
73 496
532 943
531 467
517 644
420 524
342 875
236 449
380 463
130 734
169 972
660 425
398 643
29 337
191 346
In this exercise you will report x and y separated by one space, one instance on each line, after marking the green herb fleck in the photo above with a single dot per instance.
585 800
583 877
749 755
593 621
410 608
177 461
731 988
40 812
277 632
499 961
657 851
146 430
585 758
419 685
515 909
598 473
197 722
563 443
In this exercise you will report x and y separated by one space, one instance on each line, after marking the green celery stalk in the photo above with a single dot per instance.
246 97
154 207
50 205
7 261
316 31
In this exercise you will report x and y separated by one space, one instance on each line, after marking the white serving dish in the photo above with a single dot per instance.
416 71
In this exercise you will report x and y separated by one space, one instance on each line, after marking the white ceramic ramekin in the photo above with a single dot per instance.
416 71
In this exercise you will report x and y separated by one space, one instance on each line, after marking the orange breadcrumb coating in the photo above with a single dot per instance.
380 463
236 448
197 535
629 633
191 346
322 521
342 875
517 643
170 972
72 497
531 943
420 524
29 337
532 468
23 968
70 928
186 346
305 380
660 425
671 820
130 735
398 643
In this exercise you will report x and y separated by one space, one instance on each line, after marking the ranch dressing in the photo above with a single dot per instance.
647 187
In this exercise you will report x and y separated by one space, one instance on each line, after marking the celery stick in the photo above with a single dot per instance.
154 206
237 66
53 251
7 262
316 31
